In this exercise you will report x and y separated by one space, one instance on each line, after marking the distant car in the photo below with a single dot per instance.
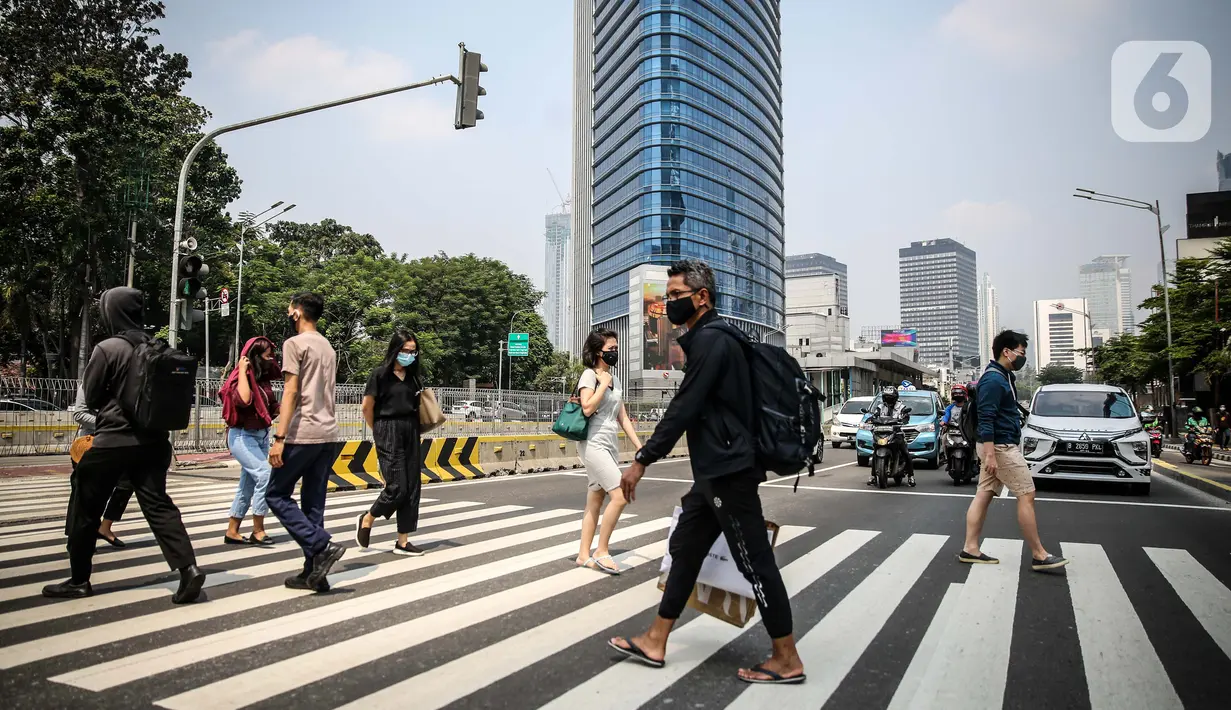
469 409
503 412
27 404
846 422
923 439
1087 433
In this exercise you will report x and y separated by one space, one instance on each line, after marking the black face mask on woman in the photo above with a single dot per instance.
611 357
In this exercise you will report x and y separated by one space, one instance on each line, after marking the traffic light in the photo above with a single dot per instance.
469 91
191 270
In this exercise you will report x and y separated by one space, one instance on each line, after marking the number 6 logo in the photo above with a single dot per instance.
1161 92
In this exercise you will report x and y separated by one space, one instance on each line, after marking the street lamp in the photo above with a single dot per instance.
1162 250
245 225
1089 328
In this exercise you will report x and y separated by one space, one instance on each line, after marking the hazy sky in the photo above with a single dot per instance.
904 120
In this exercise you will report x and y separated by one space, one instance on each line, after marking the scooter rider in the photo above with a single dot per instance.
953 413
1196 421
890 408
1149 419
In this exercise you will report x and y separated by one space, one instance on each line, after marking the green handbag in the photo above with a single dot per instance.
572 422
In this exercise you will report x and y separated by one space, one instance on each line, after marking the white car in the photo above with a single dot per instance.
469 409
846 422
1087 433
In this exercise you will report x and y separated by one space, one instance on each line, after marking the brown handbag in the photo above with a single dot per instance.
430 414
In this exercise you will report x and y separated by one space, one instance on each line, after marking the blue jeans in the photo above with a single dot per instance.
250 447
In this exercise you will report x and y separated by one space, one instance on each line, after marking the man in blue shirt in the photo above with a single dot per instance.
1003 463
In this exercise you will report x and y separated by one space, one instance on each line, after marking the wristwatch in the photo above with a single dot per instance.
279 438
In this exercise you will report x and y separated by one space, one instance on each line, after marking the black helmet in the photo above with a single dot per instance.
889 396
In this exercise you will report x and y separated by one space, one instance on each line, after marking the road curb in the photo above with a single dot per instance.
1219 490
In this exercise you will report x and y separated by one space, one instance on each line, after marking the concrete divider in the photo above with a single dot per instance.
467 457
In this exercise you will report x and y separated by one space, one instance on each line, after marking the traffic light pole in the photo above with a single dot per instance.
173 335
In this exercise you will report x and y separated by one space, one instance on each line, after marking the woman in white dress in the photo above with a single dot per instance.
600 393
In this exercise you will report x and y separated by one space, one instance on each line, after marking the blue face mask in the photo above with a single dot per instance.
406 359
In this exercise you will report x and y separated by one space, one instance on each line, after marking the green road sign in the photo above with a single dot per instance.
519 344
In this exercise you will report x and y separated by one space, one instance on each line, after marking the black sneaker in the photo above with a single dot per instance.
910 481
1052 562
408 550
68 590
300 583
363 535
323 561
979 559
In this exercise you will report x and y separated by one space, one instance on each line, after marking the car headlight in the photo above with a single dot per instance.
927 427
1029 444
1140 448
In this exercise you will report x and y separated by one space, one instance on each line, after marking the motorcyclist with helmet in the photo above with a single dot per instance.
889 408
1196 422
953 413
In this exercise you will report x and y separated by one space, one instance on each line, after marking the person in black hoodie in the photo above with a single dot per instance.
119 447
714 407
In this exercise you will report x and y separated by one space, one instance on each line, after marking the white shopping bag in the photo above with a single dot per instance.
719 569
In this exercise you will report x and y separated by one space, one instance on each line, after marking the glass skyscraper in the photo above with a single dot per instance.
678 145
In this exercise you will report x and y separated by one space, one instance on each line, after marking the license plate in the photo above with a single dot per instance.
1085 447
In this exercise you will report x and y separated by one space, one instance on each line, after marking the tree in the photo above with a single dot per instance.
1123 361
1060 375
560 374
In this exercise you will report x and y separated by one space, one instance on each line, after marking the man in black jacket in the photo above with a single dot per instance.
120 447
714 407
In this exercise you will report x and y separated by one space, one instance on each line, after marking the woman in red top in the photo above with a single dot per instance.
249 408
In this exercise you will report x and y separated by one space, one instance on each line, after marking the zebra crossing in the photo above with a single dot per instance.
496 614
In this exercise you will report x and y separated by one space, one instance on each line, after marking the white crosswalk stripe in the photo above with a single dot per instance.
490 562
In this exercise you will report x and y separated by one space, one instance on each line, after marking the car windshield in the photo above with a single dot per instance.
1090 405
853 407
920 404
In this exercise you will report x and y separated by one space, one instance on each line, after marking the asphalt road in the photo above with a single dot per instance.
496 616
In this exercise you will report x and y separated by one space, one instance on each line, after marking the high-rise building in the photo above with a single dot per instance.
1224 172
816 327
557 279
939 298
677 153
801 265
1107 286
989 317
1061 330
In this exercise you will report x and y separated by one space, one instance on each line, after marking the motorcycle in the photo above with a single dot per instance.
963 465
1156 442
1201 449
887 441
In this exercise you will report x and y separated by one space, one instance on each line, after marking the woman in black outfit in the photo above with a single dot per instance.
391 409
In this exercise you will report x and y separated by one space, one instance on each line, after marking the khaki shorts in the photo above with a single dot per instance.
1011 471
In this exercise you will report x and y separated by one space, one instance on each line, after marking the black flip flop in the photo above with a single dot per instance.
636 654
773 679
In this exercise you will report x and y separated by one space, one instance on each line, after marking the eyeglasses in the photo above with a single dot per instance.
677 295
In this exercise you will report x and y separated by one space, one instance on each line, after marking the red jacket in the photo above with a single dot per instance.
233 408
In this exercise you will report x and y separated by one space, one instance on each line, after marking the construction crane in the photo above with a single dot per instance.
566 203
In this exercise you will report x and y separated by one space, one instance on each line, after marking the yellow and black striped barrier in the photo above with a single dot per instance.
444 459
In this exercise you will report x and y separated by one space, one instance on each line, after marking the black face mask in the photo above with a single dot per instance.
680 310
1019 361
293 325
611 357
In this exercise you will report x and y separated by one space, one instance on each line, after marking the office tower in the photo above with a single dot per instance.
1061 328
815 324
557 279
819 265
989 318
677 153
1224 172
939 297
1107 286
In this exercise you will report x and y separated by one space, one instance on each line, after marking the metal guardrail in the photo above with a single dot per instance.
35 417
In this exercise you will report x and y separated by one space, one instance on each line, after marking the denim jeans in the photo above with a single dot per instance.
250 447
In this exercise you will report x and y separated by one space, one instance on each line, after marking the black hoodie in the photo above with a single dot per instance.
120 310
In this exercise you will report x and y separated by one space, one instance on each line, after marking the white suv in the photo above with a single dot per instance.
846 422
1087 433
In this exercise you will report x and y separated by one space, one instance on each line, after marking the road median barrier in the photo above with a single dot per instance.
469 457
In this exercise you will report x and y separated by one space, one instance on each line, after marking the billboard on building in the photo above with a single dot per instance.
902 338
1209 215
659 349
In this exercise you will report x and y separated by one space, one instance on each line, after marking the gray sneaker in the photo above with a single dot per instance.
1052 562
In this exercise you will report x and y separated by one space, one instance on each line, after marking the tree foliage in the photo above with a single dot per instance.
1059 375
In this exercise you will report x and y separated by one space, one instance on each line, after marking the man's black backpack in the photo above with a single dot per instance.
157 391
786 407
969 421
